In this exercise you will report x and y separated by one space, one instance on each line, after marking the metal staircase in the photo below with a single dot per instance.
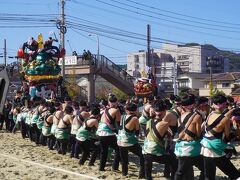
114 74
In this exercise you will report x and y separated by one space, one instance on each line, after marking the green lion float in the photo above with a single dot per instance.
39 66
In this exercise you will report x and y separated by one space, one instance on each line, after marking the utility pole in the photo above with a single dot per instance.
174 77
148 44
62 35
5 53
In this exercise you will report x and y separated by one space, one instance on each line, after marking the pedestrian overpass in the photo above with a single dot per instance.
102 66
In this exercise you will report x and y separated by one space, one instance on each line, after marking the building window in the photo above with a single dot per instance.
183 83
183 57
225 84
137 66
186 63
185 69
136 58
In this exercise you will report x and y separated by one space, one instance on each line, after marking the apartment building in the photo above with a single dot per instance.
195 58
161 64
190 58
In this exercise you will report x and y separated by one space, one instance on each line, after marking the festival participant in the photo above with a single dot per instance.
67 101
127 138
15 111
146 115
18 119
235 121
83 111
230 102
48 43
187 147
76 123
86 137
1 121
17 99
39 108
46 129
213 142
23 127
28 121
107 133
57 115
172 116
6 111
81 116
153 148
32 45
103 105
204 109
203 106
44 113
62 132
10 117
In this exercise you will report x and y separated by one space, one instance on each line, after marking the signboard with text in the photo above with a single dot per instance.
69 60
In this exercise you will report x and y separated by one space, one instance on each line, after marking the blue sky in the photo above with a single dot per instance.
176 21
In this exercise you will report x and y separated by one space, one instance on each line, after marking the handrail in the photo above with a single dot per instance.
107 63
103 61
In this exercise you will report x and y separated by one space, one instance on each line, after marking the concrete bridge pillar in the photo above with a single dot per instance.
91 88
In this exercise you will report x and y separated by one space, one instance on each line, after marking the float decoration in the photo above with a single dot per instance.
145 86
39 66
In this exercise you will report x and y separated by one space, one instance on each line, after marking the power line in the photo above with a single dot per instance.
167 20
183 15
99 28
172 17
157 23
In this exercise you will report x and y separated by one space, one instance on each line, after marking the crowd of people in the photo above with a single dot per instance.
179 132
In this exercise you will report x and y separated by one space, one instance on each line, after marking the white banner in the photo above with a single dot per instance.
69 60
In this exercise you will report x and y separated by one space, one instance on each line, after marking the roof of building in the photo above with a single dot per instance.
229 76
236 92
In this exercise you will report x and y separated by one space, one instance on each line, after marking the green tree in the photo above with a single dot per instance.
217 92
120 95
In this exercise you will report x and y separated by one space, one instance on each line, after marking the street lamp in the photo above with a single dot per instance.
97 45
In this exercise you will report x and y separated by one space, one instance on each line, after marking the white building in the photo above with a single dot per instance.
194 57
191 58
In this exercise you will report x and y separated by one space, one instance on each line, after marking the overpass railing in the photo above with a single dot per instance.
103 62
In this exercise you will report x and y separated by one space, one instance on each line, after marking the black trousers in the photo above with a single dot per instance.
185 167
170 147
105 142
135 149
35 133
28 131
72 143
11 125
43 139
51 141
223 163
1 121
63 146
164 159
23 129
7 122
86 147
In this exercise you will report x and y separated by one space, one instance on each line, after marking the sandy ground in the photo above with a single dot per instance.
22 159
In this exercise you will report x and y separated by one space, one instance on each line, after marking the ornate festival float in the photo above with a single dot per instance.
39 66
146 85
